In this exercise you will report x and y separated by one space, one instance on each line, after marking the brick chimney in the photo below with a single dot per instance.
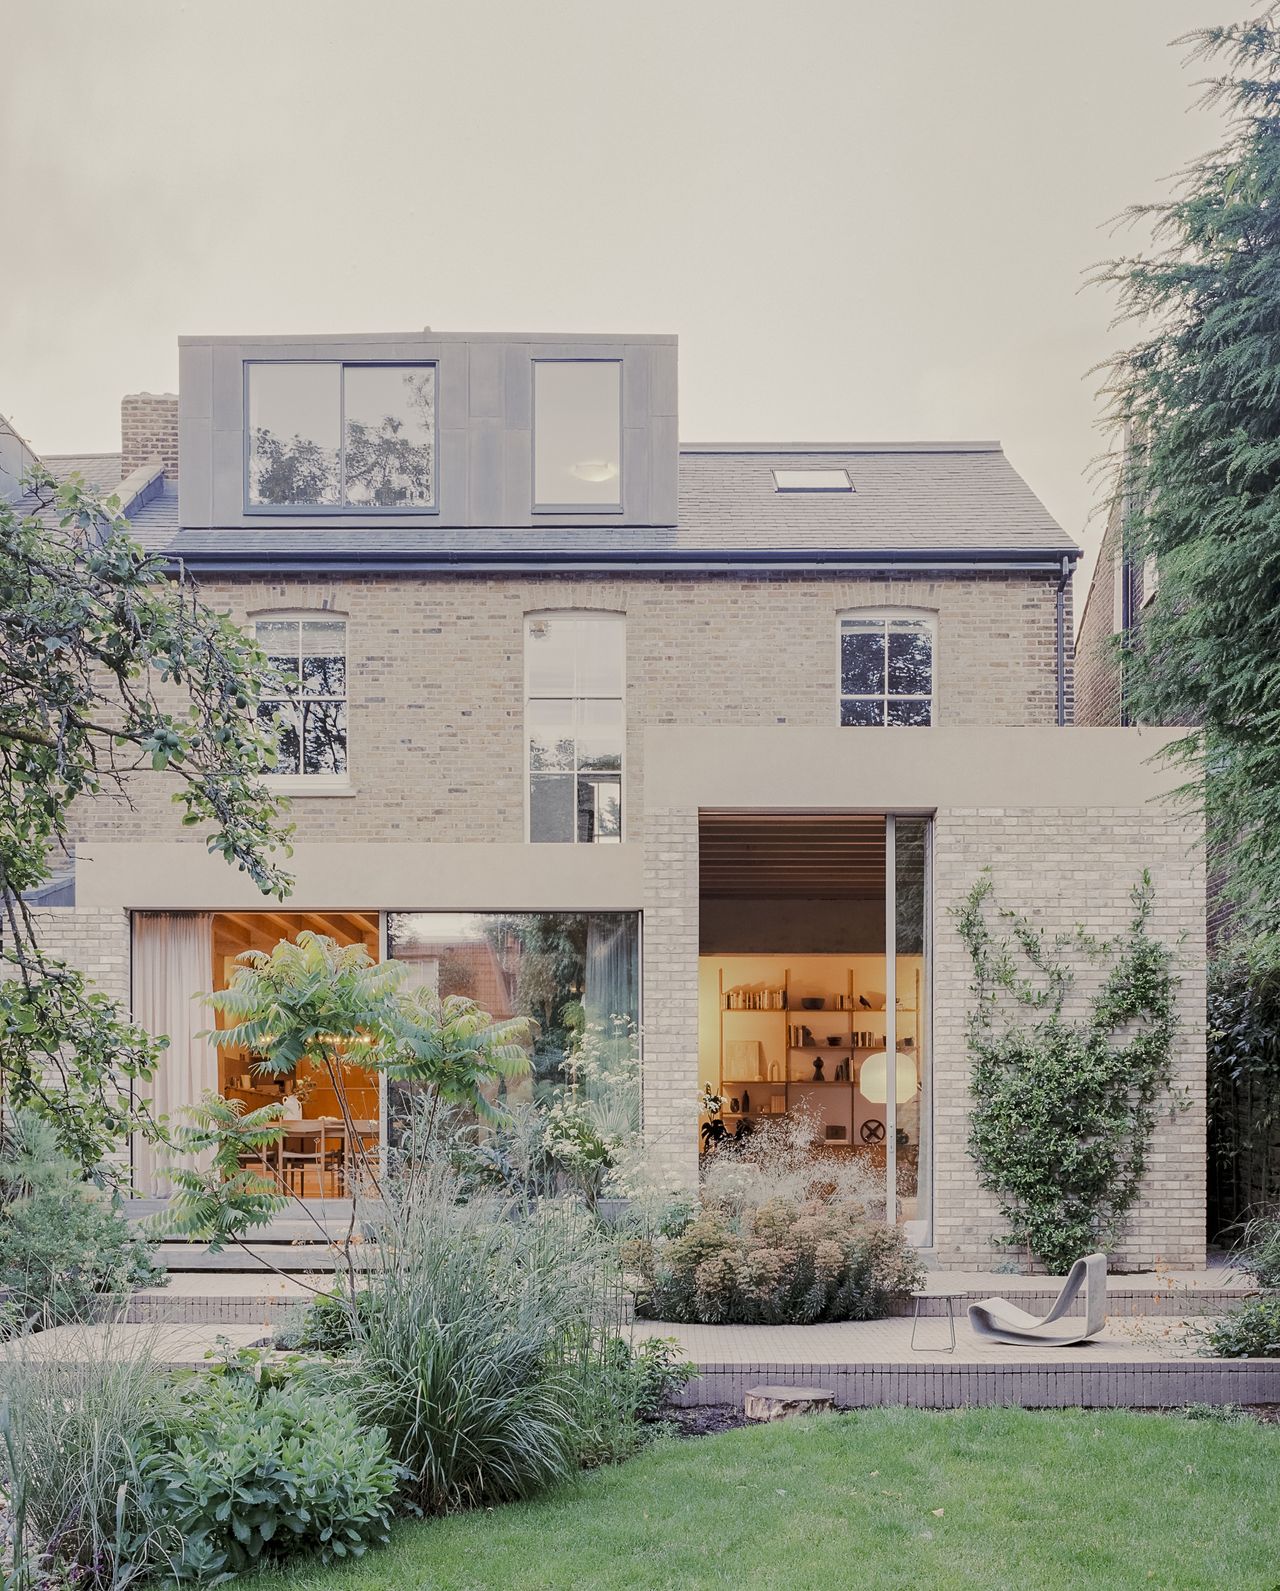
149 430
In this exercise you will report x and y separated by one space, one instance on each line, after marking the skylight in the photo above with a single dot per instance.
812 481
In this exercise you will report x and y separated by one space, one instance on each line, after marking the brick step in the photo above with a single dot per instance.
185 1258
1122 1301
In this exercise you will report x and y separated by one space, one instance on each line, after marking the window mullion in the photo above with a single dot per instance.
342 435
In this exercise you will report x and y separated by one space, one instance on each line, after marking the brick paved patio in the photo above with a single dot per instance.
1135 1363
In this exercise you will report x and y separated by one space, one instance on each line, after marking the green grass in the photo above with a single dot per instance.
1073 1500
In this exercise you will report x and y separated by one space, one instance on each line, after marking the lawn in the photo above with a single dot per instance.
980 1499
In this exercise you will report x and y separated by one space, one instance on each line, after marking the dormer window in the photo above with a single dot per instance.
577 434
334 436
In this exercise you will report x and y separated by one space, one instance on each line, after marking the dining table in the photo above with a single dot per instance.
321 1133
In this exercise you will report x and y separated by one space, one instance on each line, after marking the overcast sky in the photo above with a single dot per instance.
865 219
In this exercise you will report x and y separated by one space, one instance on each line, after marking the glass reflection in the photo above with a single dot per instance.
914 1114
574 723
284 721
551 807
886 670
390 414
910 659
577 431
862 658
575 975
309 719
293 433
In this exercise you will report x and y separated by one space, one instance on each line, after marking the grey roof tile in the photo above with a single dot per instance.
951 499
101 471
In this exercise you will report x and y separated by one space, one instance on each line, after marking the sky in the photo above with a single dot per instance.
865 219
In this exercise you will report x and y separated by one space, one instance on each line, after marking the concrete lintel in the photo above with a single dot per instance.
356 875
797 768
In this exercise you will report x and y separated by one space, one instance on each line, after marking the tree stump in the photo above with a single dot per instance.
780 1403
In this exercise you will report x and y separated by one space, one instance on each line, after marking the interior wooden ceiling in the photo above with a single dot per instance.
788 854
234 931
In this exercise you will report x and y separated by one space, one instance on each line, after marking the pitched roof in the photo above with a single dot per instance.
922 503
101 471
916 502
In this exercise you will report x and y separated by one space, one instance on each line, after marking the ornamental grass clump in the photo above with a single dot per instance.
73 1432
1253 1330
487 1342
785 1235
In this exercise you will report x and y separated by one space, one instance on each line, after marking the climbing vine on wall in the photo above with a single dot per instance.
1063 1106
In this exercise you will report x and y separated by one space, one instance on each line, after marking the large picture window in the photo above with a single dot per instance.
336 436
574 725
309 657
574 975
886 669
577 433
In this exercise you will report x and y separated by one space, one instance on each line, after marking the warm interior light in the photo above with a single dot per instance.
873 1079
594 470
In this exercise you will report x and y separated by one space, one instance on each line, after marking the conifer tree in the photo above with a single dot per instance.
1201 392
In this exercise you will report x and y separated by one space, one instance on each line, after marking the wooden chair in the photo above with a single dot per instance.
320 1149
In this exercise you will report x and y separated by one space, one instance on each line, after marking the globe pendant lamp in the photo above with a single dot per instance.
873 1079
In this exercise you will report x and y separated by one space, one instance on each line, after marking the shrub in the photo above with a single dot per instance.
247 1475
624 1396
786 1233
780 1264
329 1324
112 1472
484 1347
62 1245
1250 1332
659 1372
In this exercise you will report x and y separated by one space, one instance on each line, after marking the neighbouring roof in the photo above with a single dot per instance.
101 471
921 503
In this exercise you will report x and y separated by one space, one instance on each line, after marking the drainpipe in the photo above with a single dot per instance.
1060 638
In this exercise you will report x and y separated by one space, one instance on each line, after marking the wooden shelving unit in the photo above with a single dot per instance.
785 1068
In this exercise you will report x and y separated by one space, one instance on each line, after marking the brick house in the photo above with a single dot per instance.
592 723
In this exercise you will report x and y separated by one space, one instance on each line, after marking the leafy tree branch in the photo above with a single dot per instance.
108 667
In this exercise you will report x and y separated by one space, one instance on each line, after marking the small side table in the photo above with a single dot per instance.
950 1299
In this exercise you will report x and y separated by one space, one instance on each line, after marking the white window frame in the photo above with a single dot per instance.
533 617
930 617
311 784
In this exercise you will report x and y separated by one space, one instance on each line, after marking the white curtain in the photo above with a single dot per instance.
172 965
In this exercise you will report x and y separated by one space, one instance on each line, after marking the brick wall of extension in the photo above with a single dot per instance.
436 680
1060 867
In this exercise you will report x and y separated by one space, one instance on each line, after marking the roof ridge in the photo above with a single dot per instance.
842 447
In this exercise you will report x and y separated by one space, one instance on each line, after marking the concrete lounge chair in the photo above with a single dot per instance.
997 1320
